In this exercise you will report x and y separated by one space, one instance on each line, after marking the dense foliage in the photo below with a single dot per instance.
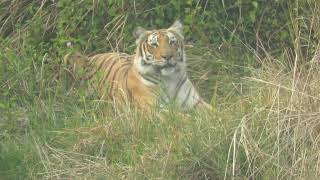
95 26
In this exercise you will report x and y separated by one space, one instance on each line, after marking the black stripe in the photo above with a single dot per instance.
140 49
187 97
149 79
128 90
142 54
97 69
93 59
145 50
116 72
126 71
114 77
179 85
107 75
124 83
182 54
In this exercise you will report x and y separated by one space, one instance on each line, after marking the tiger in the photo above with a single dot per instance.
159 62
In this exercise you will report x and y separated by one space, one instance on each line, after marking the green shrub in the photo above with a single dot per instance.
98 26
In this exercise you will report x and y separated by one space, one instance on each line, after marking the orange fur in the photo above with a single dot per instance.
114 77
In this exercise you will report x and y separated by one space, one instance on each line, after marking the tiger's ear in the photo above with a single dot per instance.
177 27
138 31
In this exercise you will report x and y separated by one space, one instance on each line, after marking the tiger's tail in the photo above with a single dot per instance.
75 62
75 68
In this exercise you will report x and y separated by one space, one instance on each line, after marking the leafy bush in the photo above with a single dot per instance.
96 26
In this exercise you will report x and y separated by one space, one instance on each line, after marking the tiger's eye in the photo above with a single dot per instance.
153 40
172 42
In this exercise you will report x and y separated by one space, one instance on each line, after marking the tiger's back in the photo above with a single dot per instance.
113 76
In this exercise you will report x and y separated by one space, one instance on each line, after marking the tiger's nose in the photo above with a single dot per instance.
166 57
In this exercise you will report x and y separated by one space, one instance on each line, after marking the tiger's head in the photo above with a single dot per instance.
160 51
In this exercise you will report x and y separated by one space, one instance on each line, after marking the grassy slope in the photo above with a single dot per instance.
46 131
258 129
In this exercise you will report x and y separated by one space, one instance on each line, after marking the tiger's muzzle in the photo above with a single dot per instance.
165 63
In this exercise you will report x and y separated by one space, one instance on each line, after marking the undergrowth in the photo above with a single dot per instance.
265 118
